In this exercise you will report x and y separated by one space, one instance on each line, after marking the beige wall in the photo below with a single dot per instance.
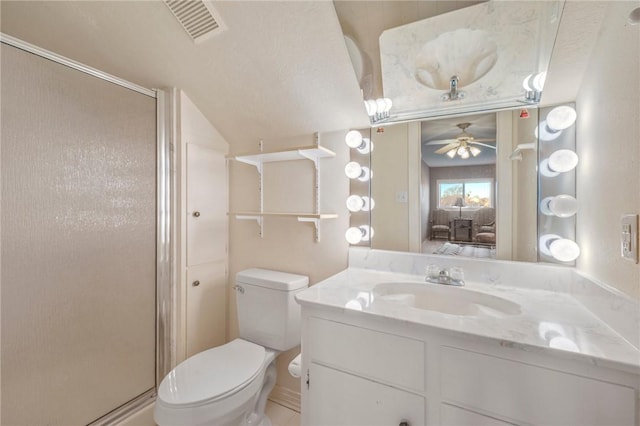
390 218
288 245
608 135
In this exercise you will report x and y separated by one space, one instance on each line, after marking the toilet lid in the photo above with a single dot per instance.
213 373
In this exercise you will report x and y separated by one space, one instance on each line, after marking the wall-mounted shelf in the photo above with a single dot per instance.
312 153
298 215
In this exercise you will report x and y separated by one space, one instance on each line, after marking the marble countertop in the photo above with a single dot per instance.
548 321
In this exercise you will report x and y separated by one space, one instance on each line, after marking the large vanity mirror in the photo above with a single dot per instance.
462 185
455 166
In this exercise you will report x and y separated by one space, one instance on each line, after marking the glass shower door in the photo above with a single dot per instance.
78 234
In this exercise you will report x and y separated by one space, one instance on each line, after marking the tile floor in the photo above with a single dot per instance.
281 415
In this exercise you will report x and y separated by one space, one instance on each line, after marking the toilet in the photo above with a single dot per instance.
229 385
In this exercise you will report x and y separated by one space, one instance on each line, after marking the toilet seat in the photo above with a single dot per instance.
213 374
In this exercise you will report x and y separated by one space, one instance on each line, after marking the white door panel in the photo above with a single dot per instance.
206 301
206 205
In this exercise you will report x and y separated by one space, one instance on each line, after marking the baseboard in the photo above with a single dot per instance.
287 397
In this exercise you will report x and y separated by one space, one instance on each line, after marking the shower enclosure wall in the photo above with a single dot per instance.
85 255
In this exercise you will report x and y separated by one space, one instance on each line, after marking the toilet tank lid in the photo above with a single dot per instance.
277 280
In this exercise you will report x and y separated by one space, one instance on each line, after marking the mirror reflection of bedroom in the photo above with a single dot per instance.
458 185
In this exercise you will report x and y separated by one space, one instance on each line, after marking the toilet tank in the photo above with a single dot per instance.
267 311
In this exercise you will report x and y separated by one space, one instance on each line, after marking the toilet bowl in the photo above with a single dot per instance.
229 385
220 386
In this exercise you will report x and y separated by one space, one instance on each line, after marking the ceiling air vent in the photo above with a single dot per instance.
196 18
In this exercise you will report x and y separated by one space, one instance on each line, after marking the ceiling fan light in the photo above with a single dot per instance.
451 153
474 151
465 154
461 150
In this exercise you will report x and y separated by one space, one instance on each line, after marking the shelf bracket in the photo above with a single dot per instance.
258 219
313 158
316 224
256 164
517 153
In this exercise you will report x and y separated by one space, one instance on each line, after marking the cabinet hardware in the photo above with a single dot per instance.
196 283
404 423
196 214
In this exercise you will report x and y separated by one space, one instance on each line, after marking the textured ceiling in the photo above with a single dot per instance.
280 69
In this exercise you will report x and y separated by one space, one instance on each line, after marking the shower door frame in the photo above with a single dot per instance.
165 324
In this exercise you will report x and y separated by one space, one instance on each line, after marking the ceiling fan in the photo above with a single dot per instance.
463 145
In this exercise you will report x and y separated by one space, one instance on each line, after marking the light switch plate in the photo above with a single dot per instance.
629 237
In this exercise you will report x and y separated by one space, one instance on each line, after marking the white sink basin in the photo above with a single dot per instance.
445 299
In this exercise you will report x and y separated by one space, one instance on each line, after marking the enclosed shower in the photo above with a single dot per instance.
84 233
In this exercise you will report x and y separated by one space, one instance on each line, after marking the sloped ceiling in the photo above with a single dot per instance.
280 69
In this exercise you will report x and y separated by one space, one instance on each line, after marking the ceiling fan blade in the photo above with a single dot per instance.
447 148
483 140
441 142
483 144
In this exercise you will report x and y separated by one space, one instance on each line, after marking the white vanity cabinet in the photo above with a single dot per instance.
366 370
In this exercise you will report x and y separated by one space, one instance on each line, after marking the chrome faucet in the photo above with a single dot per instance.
443 276
453 88
453 93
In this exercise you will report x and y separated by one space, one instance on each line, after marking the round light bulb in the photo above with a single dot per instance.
545 241
353 139
563 160
544 133
545 170
526 83
368 232
369 204
465 154
563 205
381 105
461 151
539 80
564 250
371 107
353 235
365 147
355 203
388 104
353 170
561 118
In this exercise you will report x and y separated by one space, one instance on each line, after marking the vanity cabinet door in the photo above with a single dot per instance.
337 398
532 394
